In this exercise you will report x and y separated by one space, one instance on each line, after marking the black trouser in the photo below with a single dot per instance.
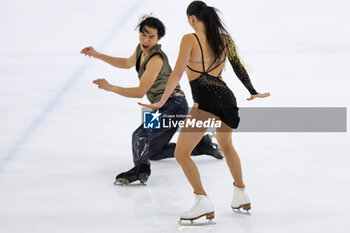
153 144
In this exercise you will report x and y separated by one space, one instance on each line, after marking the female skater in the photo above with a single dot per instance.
204 53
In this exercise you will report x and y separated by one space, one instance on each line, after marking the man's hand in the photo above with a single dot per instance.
154 106
103 84
89 51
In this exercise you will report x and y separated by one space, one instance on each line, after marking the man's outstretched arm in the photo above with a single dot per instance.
119 62
154 66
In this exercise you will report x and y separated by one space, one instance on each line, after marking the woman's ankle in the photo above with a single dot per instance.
200 193
239 185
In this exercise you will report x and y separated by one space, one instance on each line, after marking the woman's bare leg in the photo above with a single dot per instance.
186 142
224 139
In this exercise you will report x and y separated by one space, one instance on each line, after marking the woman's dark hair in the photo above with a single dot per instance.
214 27
151 22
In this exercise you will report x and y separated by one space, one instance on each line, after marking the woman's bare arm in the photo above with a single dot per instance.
180 67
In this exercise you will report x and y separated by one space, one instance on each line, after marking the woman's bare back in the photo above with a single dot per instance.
195 61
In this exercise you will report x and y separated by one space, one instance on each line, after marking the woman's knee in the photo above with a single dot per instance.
181 153
225 141
226 146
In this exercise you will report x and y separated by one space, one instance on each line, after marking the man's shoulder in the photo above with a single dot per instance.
157 54
155 62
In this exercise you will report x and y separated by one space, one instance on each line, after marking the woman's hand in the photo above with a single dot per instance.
154 106
103 84
89 51
259 96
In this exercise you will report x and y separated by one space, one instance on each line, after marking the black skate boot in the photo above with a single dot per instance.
206 146
140 172
144 172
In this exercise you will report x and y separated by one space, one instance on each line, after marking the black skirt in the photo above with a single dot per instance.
213 96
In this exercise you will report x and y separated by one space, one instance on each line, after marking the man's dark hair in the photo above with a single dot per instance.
151 22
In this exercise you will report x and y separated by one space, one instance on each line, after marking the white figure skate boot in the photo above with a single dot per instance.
202 207
240 199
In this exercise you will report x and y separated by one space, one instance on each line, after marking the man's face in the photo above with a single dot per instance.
148 38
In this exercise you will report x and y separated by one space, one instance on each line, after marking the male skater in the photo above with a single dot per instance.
153 71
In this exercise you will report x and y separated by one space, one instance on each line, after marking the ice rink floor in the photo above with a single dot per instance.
62 140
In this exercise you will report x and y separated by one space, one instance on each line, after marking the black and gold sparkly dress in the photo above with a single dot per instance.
213 95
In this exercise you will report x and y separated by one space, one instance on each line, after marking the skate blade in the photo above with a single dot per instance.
125 182
245 207
121 181
238 211
210 222
196 223
129 185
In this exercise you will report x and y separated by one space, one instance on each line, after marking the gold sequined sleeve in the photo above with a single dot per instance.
237 66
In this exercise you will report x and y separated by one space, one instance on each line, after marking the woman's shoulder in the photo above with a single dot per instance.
187 39
188 36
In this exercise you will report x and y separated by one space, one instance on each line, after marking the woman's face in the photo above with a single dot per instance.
148 38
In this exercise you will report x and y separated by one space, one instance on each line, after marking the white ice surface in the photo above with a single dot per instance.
62 140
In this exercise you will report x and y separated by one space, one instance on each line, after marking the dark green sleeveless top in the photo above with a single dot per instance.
154 94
